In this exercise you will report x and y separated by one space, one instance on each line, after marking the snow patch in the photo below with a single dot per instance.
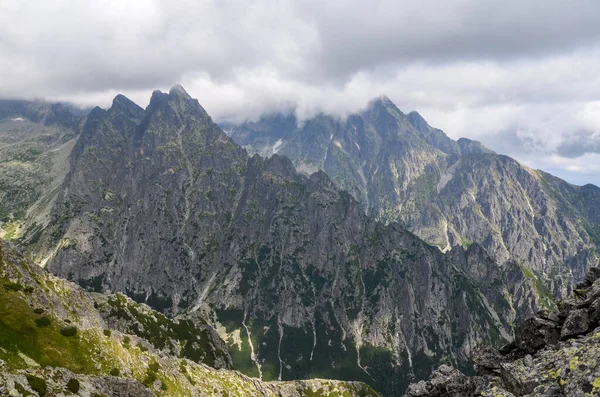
277 146
447 177
18 119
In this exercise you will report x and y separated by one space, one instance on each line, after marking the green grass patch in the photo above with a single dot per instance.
73 385
39 385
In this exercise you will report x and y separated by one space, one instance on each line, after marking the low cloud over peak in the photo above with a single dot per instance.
520 76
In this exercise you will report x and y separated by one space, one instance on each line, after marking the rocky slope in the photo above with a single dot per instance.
446 192
553 354
56 339
36 139
160 204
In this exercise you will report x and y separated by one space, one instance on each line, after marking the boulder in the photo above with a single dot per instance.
594 313
549 315
518 378
488 360
592 275
535 333
509 347
567 305
576 323
447 382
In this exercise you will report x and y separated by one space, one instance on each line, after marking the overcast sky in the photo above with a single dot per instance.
521 76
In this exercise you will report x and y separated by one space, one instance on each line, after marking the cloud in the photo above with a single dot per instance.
521 76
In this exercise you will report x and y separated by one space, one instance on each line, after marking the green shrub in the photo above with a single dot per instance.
154 366
28 290
68 331
149 379
37 384
126 341
73 385
42 322
115 372
11 286
107 332
39 310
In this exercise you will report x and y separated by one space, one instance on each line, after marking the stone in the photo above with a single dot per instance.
488 360
509 347
576 323
549 315
535 333
447 381
591 276
594 313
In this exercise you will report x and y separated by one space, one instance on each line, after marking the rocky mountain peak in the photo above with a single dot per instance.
383 106
417 120
122 103
177 104
178 91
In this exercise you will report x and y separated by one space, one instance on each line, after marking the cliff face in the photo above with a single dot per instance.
56 339
447 192
160 204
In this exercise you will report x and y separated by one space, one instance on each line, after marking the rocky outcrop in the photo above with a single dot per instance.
534 365
36 139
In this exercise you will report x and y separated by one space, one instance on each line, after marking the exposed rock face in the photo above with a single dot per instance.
162 205
54 341
447 382
448 193
534 333
576 323
562 368
36 139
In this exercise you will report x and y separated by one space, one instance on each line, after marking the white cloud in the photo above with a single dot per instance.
521 76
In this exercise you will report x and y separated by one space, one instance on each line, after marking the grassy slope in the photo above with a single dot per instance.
37 309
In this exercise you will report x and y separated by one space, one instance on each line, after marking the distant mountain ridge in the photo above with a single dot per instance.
447 192
160 204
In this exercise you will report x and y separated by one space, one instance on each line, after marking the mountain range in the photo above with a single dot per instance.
446 192
402 249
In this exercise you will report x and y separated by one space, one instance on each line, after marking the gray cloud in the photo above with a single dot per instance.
579 144
519 75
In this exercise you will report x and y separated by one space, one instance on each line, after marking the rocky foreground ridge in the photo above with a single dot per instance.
553 354
58 340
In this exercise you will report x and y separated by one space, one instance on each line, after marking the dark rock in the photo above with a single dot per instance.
447 382
576 323
594 312
488 360
566 305
535 333
592 275
549 315
514 376
509 347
